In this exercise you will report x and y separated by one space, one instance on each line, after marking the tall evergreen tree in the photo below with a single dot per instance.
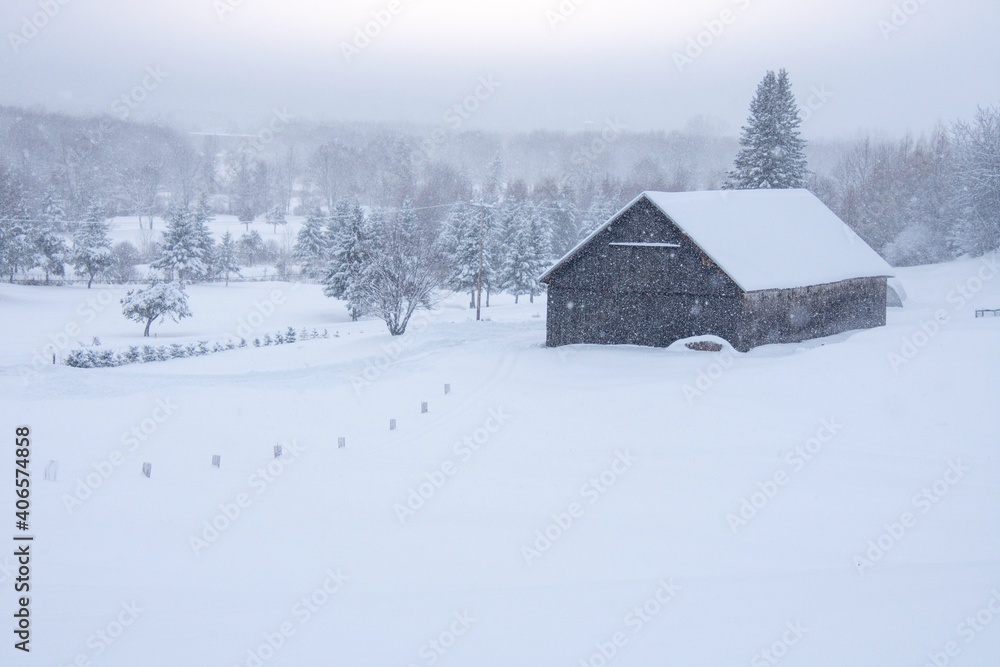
200 217
492 240
599 212
563 219
51 248
312 245
53 213
459 244
516 270
251 248
92 246
16 250
226 257
539 257
183 252
771 152
350 256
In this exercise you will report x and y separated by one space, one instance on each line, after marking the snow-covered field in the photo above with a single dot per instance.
825 504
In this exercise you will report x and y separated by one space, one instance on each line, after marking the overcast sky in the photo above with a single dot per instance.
225 62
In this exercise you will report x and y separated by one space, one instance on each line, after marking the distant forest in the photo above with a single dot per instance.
915 199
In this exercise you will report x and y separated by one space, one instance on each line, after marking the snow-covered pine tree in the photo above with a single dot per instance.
350 256
563 219
771 154
459 245
182 254
312 246
515 249
489 217
51 247
53 212
526 252
226 258
540 243
251 247
92 246
200 217
156 301
276 217
342 212
599 212
16 249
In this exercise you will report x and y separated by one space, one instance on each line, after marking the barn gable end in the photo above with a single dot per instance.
642 279
639 280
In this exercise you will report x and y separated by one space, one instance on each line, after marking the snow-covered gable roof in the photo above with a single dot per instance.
765 239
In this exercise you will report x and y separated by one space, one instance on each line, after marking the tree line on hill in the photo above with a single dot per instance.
520 199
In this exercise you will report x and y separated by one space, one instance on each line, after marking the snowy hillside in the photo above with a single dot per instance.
824 504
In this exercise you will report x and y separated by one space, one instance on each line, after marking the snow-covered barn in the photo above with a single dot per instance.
751 266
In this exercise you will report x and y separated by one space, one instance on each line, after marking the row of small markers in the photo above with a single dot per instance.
147 468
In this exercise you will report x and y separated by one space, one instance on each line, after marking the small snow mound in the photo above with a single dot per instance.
701 344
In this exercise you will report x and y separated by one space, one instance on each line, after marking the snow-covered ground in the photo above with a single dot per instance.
830 503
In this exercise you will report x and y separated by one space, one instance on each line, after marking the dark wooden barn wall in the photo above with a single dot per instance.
640 295
654 296
791 316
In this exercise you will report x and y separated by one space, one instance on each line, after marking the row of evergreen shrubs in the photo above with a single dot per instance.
97 357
